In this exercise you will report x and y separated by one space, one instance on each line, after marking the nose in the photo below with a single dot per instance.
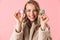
32 13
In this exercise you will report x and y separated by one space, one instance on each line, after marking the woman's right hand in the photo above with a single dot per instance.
19 19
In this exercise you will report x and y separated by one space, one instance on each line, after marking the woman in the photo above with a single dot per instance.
32 25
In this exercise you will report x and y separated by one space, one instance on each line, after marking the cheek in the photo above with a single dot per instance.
36 14
27 14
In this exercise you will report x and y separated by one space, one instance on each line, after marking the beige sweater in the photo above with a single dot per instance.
35 33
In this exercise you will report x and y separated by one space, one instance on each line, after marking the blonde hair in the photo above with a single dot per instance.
34 3
26 20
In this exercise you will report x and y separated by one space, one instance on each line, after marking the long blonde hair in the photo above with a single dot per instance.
26 20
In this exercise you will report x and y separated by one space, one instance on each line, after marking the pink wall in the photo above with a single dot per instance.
7 22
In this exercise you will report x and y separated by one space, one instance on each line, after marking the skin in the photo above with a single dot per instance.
31 12
32 15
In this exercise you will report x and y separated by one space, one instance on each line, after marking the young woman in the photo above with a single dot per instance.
31 25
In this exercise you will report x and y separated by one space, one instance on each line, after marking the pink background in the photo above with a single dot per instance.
8 8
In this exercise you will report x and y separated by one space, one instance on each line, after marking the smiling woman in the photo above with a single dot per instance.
32 25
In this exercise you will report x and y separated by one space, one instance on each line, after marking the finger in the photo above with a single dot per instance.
44 16
24 15
40 17
17 15
46 19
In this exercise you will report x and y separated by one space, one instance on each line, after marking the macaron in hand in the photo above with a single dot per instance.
42 11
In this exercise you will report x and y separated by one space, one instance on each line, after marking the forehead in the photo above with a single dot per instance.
30 6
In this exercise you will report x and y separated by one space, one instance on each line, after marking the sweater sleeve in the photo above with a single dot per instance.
17 35
44 34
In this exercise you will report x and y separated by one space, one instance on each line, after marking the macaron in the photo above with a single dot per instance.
42 11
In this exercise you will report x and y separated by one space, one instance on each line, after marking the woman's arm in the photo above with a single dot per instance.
18 30
44 34
17 33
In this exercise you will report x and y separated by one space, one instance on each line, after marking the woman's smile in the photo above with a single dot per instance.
31 12
32 17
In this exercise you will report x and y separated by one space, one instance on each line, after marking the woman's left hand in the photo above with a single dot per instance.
43 20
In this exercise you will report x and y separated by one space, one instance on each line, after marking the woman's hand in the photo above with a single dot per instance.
19 19
43 20
18 16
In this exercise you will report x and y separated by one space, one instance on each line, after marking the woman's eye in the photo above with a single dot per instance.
28 10
35 10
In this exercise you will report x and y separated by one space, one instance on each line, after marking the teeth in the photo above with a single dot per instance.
31 17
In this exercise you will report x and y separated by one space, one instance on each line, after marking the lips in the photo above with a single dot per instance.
32 17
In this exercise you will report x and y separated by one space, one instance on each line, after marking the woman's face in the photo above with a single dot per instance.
31 12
